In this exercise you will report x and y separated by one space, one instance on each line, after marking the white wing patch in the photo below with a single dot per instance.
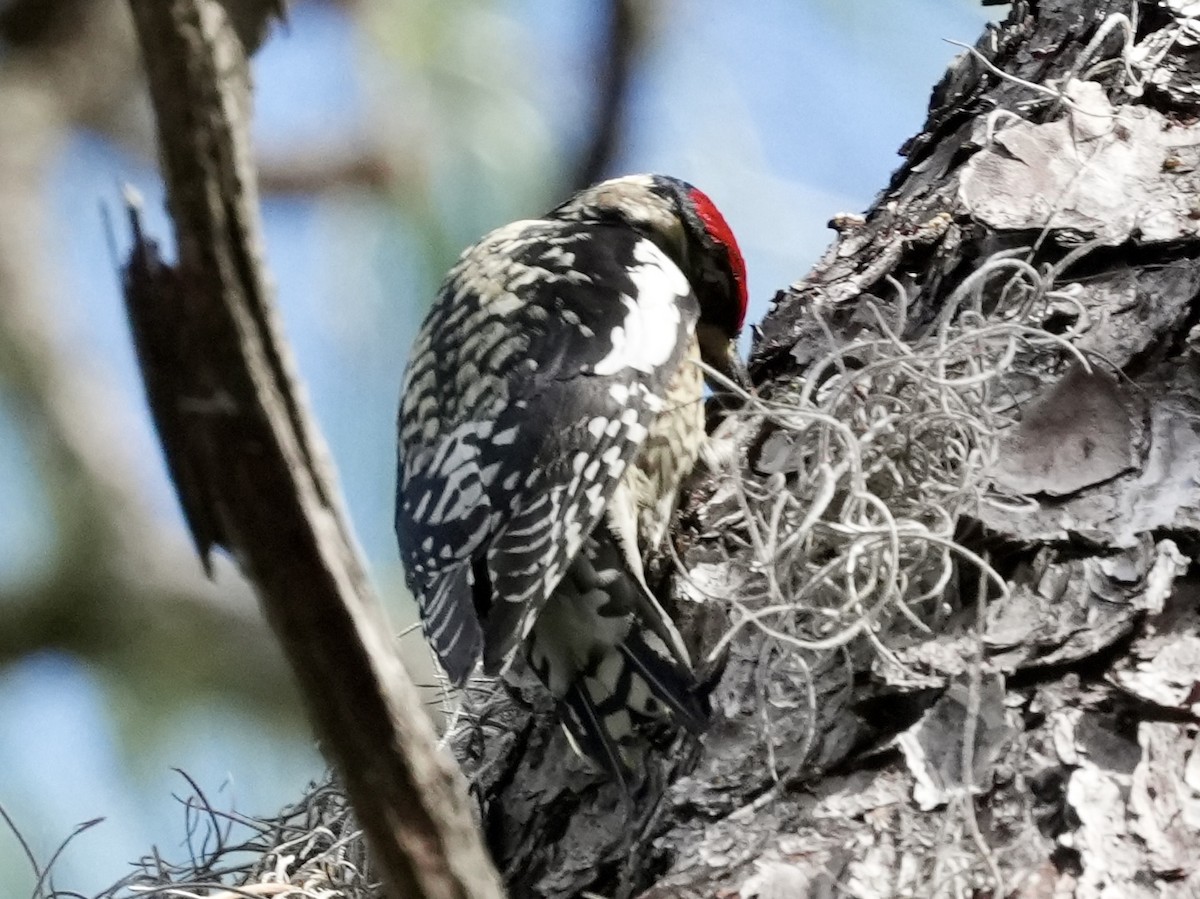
648 336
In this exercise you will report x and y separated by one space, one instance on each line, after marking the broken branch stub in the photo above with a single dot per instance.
251 470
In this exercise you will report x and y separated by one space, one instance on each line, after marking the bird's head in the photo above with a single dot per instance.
689 228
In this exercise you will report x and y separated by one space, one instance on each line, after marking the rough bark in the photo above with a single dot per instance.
252 472
1029 728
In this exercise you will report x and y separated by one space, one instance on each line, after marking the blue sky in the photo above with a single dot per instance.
785 116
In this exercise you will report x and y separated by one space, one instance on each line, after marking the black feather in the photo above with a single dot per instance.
587 729
669 682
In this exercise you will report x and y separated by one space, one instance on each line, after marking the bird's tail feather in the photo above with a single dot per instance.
637 684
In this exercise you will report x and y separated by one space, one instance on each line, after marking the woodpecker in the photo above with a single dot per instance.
551 409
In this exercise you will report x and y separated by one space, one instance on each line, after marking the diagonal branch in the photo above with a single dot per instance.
119 591
252 473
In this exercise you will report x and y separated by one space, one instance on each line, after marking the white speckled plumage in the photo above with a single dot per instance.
551 409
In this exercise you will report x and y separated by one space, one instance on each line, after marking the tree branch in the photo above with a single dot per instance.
251 471
628 27
121 591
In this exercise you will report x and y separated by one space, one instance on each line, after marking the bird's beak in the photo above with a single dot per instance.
734 368
721 354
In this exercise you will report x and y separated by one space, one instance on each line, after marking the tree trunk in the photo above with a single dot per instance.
951 560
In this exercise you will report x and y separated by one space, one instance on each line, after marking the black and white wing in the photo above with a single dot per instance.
531 388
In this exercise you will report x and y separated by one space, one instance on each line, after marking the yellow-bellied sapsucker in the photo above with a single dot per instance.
551 409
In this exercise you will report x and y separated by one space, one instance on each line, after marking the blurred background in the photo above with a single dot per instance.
391 133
